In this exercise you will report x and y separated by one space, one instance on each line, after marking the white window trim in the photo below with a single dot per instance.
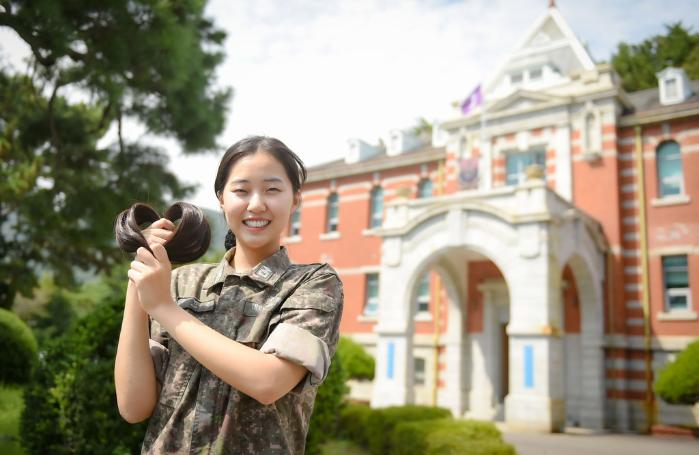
678 292
332 235
674 199
293 239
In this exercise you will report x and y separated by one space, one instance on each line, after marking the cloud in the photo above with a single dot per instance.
315 73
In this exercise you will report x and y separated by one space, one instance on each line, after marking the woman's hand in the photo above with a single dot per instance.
160 232
151 275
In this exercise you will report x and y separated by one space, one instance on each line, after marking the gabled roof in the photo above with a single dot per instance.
381 161
550 40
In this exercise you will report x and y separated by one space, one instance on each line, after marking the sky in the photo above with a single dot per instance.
315 73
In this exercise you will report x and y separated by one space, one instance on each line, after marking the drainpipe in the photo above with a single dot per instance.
643 234
437 300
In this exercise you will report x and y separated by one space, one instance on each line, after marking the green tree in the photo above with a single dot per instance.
94 65
678 382
637 64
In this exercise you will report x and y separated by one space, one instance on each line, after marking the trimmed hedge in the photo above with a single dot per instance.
678 382
354 421
19 349
448 436
381 423
358 363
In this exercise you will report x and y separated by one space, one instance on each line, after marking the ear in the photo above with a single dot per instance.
219 196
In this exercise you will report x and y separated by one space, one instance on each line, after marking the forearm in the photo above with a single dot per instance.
262 376
134 372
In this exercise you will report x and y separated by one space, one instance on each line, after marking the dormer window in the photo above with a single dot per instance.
516 78
671 88
675 86
535 73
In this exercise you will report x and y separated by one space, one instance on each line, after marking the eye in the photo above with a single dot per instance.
276 189
238 190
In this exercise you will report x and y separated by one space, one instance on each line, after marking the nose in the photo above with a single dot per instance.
257 203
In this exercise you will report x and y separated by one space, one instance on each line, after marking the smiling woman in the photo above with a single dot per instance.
228 357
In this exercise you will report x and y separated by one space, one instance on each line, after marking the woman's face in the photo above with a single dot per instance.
258 201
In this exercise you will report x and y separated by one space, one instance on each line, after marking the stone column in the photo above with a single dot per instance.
536 397
393 380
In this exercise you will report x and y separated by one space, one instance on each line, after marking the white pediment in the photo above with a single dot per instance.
549 53
523 99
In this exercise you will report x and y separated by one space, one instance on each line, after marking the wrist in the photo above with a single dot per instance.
162 309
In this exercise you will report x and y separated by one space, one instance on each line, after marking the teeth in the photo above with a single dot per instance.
257 224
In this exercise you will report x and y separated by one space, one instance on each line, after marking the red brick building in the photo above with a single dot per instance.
537 258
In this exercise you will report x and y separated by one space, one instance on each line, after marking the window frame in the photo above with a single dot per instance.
332 222
522 173
679 291
375 215
295 223
423 299
371 301
419 377
421 185
659 160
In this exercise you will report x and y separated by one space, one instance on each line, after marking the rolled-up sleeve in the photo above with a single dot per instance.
159 351
309 327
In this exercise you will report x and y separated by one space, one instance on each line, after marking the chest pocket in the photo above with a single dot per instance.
255 319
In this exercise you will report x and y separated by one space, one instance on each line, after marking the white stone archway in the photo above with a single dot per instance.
518 229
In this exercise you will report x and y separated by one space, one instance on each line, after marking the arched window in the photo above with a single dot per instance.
424 188
669 163
591 133
376 209
332 213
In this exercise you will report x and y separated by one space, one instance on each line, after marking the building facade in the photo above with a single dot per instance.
533 260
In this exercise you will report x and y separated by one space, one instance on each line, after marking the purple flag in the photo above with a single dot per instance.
474 100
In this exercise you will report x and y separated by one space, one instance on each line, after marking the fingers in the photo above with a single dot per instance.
160 236
160 253
163 223
133 275
144 256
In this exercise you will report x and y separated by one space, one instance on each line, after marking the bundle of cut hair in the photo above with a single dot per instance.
190 241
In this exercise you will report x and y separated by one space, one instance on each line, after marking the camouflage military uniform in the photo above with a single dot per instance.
289 310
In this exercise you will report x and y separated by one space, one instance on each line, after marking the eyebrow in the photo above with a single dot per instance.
269 179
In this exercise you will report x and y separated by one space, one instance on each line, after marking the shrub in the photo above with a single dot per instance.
19 349
354 423
678 382
381 423
70 405
358 363
328 406
448 436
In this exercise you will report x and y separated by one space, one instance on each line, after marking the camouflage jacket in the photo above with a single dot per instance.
289 310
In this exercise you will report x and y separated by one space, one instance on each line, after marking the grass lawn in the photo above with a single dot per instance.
11 404
342 447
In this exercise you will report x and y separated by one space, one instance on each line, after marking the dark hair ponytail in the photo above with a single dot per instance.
293 166
192 235
230 240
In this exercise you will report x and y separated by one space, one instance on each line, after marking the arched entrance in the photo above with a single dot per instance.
523 232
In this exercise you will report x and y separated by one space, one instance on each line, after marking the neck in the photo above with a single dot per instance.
245 259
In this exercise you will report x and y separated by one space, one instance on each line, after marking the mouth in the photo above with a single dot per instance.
256 225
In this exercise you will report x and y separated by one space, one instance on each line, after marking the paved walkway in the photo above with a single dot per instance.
599 444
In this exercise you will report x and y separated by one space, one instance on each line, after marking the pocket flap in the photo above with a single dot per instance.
194 304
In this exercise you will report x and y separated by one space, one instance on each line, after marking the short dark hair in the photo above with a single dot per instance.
294 167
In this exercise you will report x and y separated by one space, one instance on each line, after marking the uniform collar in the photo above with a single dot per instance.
267 272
